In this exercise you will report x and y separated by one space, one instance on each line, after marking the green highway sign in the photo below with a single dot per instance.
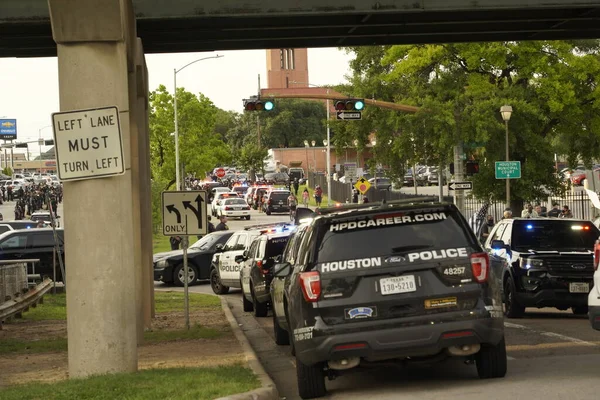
508 169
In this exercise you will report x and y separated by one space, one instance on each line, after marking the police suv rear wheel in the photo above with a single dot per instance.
215 283
491 360
311 380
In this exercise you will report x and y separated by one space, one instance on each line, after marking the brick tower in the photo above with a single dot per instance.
285 66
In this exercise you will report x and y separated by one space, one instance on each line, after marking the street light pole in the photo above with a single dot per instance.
185 239
506 112
175 71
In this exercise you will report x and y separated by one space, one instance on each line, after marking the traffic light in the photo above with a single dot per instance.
256 104
21 145
49 142
349 105
472 167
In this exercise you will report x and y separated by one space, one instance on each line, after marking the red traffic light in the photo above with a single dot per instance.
340 105
255 104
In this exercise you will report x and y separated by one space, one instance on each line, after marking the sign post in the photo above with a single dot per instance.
88 144
184 214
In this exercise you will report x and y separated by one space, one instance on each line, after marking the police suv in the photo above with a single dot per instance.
371 283
225 270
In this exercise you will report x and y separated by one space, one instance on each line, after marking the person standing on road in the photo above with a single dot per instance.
529 212
292 204
318 195
296 185
487 228
222 226
305 197
175 242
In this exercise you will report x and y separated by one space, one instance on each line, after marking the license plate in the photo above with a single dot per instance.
579 287
398 284
275 206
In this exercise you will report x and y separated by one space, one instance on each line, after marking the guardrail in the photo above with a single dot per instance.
22 303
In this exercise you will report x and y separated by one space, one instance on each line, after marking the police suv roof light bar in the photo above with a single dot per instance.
263 226
373 206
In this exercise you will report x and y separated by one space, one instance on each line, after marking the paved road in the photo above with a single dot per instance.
552 355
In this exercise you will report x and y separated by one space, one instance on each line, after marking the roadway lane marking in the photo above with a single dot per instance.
570 339
545 346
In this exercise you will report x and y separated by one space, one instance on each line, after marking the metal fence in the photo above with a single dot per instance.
578 202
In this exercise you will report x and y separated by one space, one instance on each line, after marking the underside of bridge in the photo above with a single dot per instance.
186 26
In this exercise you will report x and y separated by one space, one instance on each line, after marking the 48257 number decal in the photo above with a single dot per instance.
455 271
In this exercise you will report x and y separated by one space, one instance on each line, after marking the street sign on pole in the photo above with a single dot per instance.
345 115
184 213
467 185
88 143
221 173
350 171
508 169
362 185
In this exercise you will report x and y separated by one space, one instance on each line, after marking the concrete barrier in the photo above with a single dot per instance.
13 280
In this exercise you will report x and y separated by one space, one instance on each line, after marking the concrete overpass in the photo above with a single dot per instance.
207 25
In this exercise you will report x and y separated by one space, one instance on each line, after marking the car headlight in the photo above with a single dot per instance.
162 263
528 263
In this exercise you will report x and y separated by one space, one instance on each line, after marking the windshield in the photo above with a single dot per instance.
553 234
235 201
205 242
402 233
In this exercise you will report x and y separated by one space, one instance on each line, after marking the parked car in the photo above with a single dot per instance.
276 202
225 271
234 208
277 178
396 282
548 263
168 266
256 274
39 244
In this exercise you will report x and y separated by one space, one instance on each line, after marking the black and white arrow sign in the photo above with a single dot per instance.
184 213
345 115
460 185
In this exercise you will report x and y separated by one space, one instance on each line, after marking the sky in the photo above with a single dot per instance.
29 86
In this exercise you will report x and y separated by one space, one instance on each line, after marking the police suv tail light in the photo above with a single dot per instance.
260 265
310 282
480 265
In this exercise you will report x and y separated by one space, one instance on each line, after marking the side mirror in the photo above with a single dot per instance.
219 247
239 258
282 270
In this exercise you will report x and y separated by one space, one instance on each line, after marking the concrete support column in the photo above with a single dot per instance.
94 51
142 186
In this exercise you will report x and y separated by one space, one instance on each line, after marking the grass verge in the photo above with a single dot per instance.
175 383
160 243
54 308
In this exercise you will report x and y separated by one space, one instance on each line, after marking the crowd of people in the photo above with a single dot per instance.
35 197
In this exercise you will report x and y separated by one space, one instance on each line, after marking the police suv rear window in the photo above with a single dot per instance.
406 234
553 234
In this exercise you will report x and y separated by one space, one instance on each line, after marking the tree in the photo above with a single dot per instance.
200 147
552 87
293 121
252 158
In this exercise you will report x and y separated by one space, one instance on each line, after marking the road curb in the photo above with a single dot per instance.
268 391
